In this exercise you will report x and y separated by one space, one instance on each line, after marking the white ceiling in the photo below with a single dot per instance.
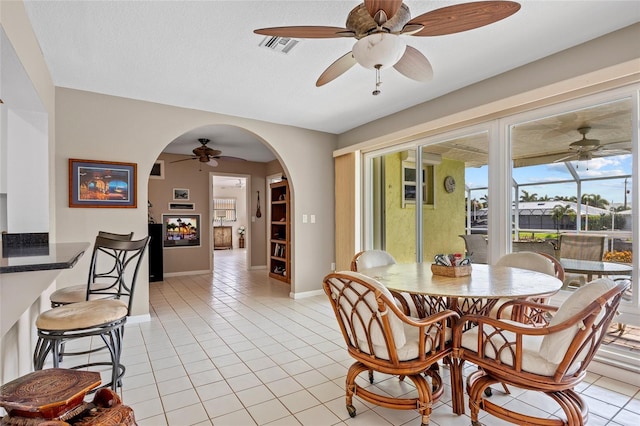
204 55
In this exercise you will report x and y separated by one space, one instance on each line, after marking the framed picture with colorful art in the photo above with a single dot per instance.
181 230
94 183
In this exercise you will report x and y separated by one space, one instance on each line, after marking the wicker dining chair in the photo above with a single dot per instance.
371 258
102 317
550 357
103 275
524 260
380 337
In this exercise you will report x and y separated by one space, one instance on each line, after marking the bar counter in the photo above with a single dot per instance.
52 256
27 272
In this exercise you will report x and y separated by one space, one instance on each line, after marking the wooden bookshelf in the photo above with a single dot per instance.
279 232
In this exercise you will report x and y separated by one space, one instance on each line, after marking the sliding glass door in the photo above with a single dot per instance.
438 175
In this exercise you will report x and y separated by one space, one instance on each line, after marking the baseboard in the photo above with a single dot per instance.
255 268
181 274
137 319
622 371
306 294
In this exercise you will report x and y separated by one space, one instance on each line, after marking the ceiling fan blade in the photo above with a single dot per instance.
566 157
306 32
411 29
611 152
414 65
228 158
389 7
463 17
336 69
185 159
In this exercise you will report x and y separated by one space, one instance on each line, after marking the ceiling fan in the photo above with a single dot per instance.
207 155
585 149
378 24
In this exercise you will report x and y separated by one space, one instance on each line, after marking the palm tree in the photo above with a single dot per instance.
526 197
485 200
559 212
599 202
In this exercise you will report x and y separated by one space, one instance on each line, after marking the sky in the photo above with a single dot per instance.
613 190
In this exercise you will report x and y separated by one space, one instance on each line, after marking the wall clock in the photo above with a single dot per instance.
449 184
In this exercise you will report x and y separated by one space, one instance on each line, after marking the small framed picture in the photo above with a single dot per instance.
157 170
180 194
182 206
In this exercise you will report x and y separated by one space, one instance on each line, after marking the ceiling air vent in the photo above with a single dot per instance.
279 44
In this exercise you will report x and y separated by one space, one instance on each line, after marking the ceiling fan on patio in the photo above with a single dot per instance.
378 24
585 149
207 155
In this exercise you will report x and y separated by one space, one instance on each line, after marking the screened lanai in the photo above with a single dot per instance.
568 168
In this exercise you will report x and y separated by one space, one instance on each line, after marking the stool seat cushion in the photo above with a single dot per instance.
82 315
74 294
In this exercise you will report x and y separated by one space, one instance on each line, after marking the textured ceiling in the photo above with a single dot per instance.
204 55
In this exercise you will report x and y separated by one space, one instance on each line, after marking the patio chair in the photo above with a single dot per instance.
476 247
104 318
550 357
582 247
545 247
103 277
380 337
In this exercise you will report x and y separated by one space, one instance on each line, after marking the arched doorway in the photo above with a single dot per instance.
192 162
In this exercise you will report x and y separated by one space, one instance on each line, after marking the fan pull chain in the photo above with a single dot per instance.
376 92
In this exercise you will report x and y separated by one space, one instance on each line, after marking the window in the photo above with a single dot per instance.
409 183
224 209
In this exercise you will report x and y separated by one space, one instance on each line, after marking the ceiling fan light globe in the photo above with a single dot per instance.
379 50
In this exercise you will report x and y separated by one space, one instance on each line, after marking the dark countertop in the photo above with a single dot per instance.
53 256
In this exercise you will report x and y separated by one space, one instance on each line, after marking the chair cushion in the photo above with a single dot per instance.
532 362
554 346
81 315
377 334
411 350
73 294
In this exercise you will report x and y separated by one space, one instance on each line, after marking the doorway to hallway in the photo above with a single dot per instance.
229 213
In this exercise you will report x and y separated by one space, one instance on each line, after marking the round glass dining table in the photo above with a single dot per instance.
595 267
473 294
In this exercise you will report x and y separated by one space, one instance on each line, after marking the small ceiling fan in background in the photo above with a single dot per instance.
207 155
585 149
378 25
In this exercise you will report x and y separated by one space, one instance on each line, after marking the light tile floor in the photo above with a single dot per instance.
233 349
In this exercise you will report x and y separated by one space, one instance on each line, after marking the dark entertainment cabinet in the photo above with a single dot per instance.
155 252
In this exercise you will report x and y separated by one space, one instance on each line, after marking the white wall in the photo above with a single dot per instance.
27 171
24 148
27 91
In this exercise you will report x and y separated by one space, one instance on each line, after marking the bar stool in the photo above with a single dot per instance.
102 317
97 280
